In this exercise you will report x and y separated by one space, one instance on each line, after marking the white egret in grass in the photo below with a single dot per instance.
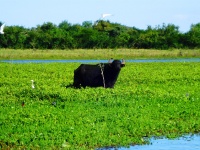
2 28
32 84
54 103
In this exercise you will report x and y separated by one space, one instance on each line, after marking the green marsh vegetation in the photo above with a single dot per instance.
149 99
98 53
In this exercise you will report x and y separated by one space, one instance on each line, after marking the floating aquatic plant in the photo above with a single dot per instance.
149 99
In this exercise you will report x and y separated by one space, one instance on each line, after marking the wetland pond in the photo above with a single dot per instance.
103 61
188 142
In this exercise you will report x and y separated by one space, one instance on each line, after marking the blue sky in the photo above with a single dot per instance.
132 13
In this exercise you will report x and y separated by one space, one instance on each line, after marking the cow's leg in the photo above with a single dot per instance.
77 80
76 83
109 85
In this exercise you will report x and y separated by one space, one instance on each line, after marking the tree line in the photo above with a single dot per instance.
102 34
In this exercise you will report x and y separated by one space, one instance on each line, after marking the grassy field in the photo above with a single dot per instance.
149 99
96 54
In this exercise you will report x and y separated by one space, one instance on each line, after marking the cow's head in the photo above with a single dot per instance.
116 64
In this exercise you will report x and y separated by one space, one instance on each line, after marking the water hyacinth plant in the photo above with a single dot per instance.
149 99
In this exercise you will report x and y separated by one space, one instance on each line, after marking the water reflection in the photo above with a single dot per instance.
189 142
103 61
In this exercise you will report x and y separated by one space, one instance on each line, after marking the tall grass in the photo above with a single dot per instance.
96 54
149 99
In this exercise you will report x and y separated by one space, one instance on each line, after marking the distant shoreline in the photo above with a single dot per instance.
24 61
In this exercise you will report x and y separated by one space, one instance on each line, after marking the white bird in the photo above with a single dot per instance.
32 85
105 15
102 17
1 28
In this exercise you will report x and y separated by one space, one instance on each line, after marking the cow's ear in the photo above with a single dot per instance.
123 63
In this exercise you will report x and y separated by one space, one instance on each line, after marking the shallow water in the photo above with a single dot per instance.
189 142
103 61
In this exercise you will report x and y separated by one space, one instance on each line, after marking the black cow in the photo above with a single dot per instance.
103 74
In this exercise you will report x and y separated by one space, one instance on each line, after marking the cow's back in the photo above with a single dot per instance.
88 75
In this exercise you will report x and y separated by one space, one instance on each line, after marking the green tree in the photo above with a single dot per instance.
102 34
169 36
148 39
46 33
15 37
87 24
75 32
192 38
64 25
32 39
164 37
65 37
134 35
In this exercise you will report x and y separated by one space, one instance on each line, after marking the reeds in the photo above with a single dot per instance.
96 54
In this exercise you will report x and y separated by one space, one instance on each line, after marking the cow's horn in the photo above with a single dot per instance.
110 60
123 61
